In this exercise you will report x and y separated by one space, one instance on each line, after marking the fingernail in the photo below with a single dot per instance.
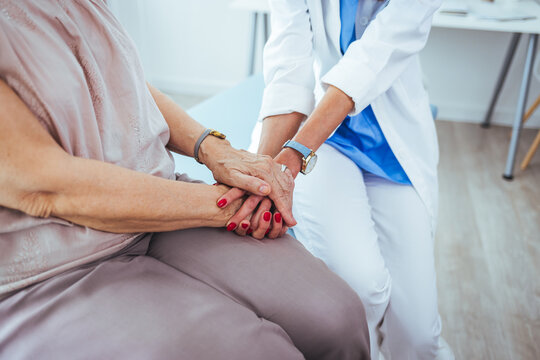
277 217
267 215
264 189
222 203
231 227
267 231
214 183
250 230
244 225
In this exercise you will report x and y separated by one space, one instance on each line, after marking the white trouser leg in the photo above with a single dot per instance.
366 229
412 325
335 224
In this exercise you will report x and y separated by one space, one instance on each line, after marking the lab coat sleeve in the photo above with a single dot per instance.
372 63
288 61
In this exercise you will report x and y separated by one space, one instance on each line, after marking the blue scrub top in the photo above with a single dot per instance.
360 137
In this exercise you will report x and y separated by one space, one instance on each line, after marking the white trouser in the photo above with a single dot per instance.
377 236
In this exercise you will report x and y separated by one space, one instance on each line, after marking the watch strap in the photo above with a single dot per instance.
304 150
201 139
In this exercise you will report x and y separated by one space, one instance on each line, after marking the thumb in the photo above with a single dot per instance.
251 184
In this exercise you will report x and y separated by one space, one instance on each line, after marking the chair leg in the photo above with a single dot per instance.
531 152
528 114
531 110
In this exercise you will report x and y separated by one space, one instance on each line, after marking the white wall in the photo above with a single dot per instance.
188 46
461 68
201 47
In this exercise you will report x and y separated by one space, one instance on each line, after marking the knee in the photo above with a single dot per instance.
338 328
423 338
373 286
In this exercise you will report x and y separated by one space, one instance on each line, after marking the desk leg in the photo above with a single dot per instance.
253 53
520 111
266 27
502 77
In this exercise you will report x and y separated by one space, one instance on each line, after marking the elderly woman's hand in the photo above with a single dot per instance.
257 174
255 217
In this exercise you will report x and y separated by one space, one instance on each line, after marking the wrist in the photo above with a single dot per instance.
290 158
210 148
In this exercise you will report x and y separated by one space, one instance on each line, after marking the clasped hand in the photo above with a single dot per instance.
258 179
258 216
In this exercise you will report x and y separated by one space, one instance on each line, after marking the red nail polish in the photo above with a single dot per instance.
244 226
222 203
277 217
214 184
267 215
267 231
250 230
231 227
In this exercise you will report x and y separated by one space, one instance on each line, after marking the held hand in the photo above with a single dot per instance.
254 173
241 220
259 223
234 167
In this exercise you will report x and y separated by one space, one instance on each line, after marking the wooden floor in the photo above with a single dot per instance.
488 245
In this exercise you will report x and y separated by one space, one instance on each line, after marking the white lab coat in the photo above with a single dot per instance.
381 68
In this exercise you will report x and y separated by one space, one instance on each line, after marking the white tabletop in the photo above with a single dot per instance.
251 5
472 22
469 22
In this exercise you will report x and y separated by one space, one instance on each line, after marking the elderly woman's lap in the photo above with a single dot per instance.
278 280
201 294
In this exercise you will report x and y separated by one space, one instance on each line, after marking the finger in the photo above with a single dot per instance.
277 225
284 230
229 197
243 227
264 205
250 183
285 209
247 209
263 216
282 196
264 226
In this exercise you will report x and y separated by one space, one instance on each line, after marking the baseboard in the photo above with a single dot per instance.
476 114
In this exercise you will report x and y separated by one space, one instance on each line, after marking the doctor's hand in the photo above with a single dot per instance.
247 172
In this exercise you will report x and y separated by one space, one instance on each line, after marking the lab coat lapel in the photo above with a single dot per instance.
333 22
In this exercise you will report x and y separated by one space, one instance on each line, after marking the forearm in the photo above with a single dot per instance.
40 179
278 129
110 198
327 116
329 113
184 130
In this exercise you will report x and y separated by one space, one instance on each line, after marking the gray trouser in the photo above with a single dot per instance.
189 294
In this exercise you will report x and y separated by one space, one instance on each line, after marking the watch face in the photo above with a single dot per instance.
311 161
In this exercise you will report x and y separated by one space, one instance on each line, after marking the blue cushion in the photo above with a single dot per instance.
233 112
434 111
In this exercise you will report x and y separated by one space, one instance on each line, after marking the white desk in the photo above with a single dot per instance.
252 5
517 28
471 22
